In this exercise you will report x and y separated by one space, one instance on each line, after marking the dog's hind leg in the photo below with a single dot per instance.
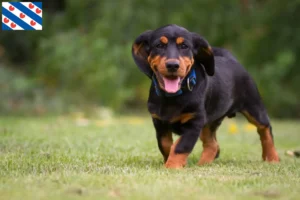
211 148
258 116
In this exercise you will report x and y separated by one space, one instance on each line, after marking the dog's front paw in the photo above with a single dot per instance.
171 165
176 161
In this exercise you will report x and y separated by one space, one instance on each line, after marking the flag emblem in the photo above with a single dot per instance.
22 16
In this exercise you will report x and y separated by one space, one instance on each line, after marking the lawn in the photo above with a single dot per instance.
64 158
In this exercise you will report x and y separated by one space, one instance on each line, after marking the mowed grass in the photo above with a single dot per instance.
61 158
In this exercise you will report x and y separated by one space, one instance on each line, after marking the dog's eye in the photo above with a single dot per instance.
160 46
183 46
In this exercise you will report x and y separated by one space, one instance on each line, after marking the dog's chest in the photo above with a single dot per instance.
171 112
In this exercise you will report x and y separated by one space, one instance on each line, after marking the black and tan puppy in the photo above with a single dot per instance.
194 87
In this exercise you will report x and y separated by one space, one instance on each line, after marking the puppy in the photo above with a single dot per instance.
194 87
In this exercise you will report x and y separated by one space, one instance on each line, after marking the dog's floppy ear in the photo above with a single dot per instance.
203 54
140 52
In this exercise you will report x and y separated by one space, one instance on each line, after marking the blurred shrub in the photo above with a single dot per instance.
93 56
88 66
271 51
19 94
83 55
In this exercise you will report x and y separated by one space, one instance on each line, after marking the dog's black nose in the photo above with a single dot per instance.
172 66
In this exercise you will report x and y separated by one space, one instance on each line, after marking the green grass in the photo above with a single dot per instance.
57 158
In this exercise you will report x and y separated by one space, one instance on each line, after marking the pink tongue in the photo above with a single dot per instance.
171 85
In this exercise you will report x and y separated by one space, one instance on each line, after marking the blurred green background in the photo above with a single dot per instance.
81 61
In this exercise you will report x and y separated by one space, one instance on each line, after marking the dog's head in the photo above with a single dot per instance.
169 52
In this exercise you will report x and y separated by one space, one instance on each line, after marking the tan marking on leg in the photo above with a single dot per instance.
183 118
176 161
166 143
210 146
268 149
186 117
269 153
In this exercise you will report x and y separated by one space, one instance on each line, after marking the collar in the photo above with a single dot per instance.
188 82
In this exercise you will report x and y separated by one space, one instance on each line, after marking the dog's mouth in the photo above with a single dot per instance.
170 83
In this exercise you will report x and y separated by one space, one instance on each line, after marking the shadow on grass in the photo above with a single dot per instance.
156 162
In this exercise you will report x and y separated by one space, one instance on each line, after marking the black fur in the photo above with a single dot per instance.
223 88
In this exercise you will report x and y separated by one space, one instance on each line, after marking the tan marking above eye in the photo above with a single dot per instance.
179 40
164 39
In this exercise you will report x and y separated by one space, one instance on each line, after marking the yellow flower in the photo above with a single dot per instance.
102 123
134 120
249 127
233 129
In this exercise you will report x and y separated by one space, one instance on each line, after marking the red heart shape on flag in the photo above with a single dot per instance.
6 20
32 23
11 8
22 15
31 6
38 11
13 25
